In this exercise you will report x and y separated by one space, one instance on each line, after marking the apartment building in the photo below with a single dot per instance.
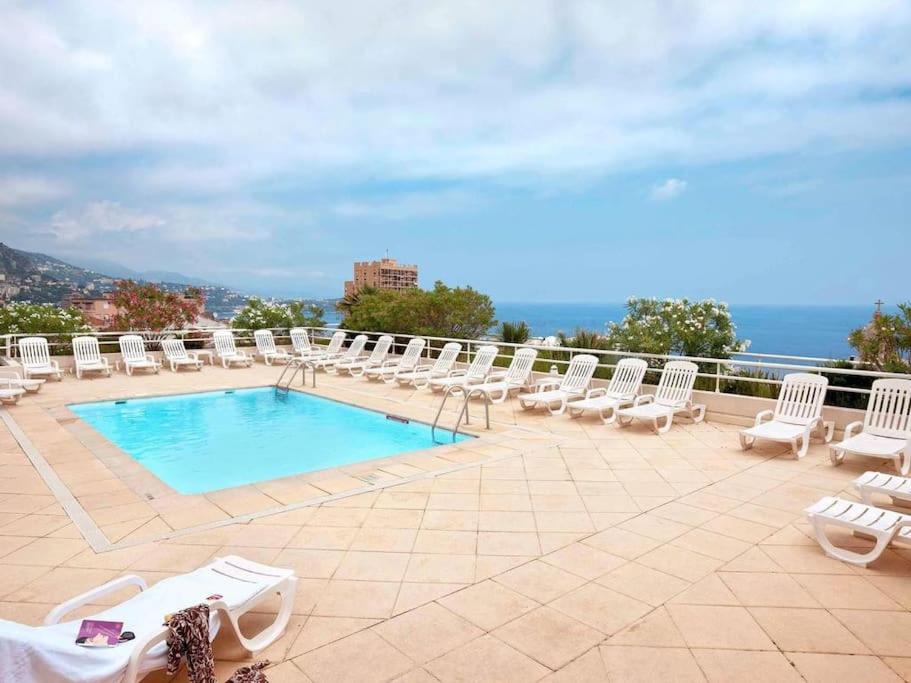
387 273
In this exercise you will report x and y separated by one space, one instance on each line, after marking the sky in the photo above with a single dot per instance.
538 150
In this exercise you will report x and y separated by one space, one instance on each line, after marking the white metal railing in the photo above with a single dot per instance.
720 371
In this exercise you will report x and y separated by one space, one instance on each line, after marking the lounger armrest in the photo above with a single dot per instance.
851 428
543 384
140 649
457 373
496 376
55 365
391 363
61 610
192 355
763 416
645 398
594 393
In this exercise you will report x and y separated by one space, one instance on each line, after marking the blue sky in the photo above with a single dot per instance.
537 150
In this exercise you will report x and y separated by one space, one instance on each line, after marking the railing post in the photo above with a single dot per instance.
718 378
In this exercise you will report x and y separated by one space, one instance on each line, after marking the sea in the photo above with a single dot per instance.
817 331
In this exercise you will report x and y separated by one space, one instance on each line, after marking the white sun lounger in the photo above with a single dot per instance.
10 393
35 356
377 357
422 374
178 357
621 392
49 653
673 395
9 375
883 526
797 416
572 385
352 353
897 488
496 388
226 350
886 429
265 347
133 353
333 350
87 357
396 366
300 341
475 373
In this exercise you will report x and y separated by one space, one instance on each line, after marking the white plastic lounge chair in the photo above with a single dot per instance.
9 393
352 353
333 350
475 373
133 352
797 416
673 395
407 363
573 384
496 388
886 429
226 350
883 526
87 357
621 392
377 357
35 356
300 341
265 346
175 352
49 652
9 375
897 488
423 373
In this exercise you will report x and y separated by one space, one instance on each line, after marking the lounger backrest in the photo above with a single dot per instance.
174 349
675 388
579 373
335 344
132 347
483 361
224 342
412 354
86 350
889 409
34 352
520 366
380 350
357 346
265 342
627 378
300 340
800 399
447 357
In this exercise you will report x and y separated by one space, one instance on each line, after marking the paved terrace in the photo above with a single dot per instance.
549 549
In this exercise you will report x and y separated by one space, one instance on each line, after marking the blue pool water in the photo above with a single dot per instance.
203 442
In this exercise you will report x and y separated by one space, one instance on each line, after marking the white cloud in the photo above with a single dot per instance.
98 218
19 191
669 189
408 205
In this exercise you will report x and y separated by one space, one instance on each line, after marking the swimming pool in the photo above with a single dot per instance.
197 443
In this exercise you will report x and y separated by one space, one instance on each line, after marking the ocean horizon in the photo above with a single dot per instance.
795 330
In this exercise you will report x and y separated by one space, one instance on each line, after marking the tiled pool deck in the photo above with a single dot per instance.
550 548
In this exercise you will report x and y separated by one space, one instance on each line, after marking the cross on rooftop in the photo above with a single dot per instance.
879 305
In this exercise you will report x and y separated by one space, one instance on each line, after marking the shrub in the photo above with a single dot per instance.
259 314
146 306
514 332
24 317
885 342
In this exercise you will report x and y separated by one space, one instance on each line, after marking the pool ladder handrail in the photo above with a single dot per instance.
467 392
296 365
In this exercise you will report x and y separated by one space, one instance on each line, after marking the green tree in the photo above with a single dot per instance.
146 306
460 312
676 326
23 317
259 314
514 332
350 300
885 342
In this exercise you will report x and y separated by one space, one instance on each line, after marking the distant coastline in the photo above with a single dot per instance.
819 331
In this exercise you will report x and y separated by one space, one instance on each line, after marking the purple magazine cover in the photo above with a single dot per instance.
95 633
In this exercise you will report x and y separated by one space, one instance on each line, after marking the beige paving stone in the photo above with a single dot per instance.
834 668
583 560
679 562
710 627
807 630
384 539
753 560
508 543
413 595
623 543
540 581
394 518
643 583
720 666
46 552
451 520
588 668
427 632
625 663
488 604
372 566
885 633
486 659
363 656
850 592
601 608
896 587
445 541
900 665
13 577
309 563
323 538
364 599
549 636
441 568
708 591
656 629
767 590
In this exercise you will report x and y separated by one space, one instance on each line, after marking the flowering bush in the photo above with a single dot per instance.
259 314
145 306
27 318
676 326
885 342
